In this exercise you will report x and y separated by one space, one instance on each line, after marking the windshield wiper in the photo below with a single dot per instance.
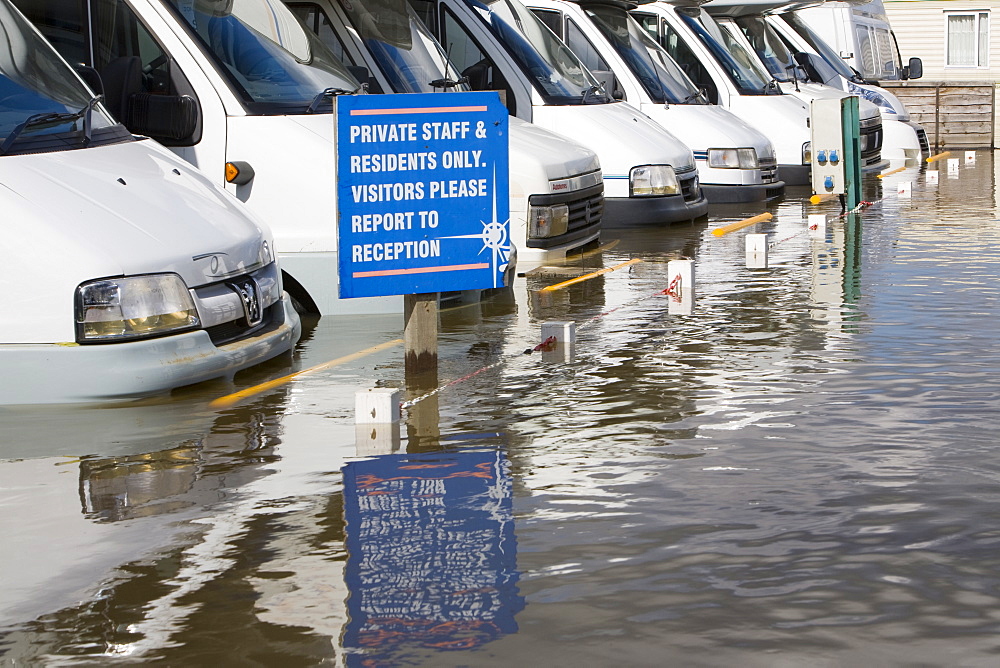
329 93
51 119
448 83
698 93
596 88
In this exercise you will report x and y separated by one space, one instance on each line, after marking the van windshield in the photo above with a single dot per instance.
270 59
558 74
402 46
43 105
742 68
656 71
768 47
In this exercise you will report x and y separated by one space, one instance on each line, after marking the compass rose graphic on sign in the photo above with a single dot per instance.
494 238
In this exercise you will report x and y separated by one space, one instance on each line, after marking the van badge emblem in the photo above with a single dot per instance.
249 294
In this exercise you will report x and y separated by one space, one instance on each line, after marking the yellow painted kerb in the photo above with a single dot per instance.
587 277
236 397
732 227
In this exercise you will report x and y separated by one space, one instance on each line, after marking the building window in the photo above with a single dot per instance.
968 39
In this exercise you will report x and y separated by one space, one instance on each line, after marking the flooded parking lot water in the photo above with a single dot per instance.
799 472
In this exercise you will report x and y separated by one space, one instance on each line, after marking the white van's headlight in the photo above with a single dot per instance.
733 158
807 153
117 309
547 221
653 180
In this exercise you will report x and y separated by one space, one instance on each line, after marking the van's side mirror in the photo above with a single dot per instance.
914 69
167 118
609 82
361 73
805 61
90 77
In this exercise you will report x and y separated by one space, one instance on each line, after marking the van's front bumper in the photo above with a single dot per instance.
689 204
794 175
730 194
71 373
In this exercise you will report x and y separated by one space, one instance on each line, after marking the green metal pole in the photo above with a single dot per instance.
852 151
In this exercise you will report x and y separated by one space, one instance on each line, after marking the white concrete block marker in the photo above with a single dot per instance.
756 251
903 189
952 166
379 405
932 176
817 225
970 157
680 287
564 331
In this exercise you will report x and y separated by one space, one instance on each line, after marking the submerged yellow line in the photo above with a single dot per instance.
732 227
938 156
891 171
236 397
587 277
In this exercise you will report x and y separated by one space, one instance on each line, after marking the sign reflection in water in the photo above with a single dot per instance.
432 553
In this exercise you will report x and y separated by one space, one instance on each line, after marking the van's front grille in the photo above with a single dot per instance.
925 146
871 142
690 188
238 329
229 310
768 170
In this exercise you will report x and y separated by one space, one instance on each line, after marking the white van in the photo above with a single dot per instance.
736 163
650 176
860 33
904 141
240 89
126 272
732 80
556 186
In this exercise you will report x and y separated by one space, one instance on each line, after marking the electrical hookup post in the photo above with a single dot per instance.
422 204
835 156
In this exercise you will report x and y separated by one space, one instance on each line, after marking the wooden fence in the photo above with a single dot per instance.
957 114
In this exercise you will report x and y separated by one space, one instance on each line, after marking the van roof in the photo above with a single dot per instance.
747 7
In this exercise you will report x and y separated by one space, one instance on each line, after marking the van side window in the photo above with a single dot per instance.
62 23
867 53
427 11
552 19
472 61
316 20
585 51
648 22
138 74
689 62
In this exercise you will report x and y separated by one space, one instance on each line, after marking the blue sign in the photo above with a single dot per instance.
422 193
432 555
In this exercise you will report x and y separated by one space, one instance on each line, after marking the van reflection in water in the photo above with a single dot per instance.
164 481
431 554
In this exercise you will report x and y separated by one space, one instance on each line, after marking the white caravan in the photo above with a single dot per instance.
242 90
556 186
126 272
650 176
736 163
904 141
860 33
